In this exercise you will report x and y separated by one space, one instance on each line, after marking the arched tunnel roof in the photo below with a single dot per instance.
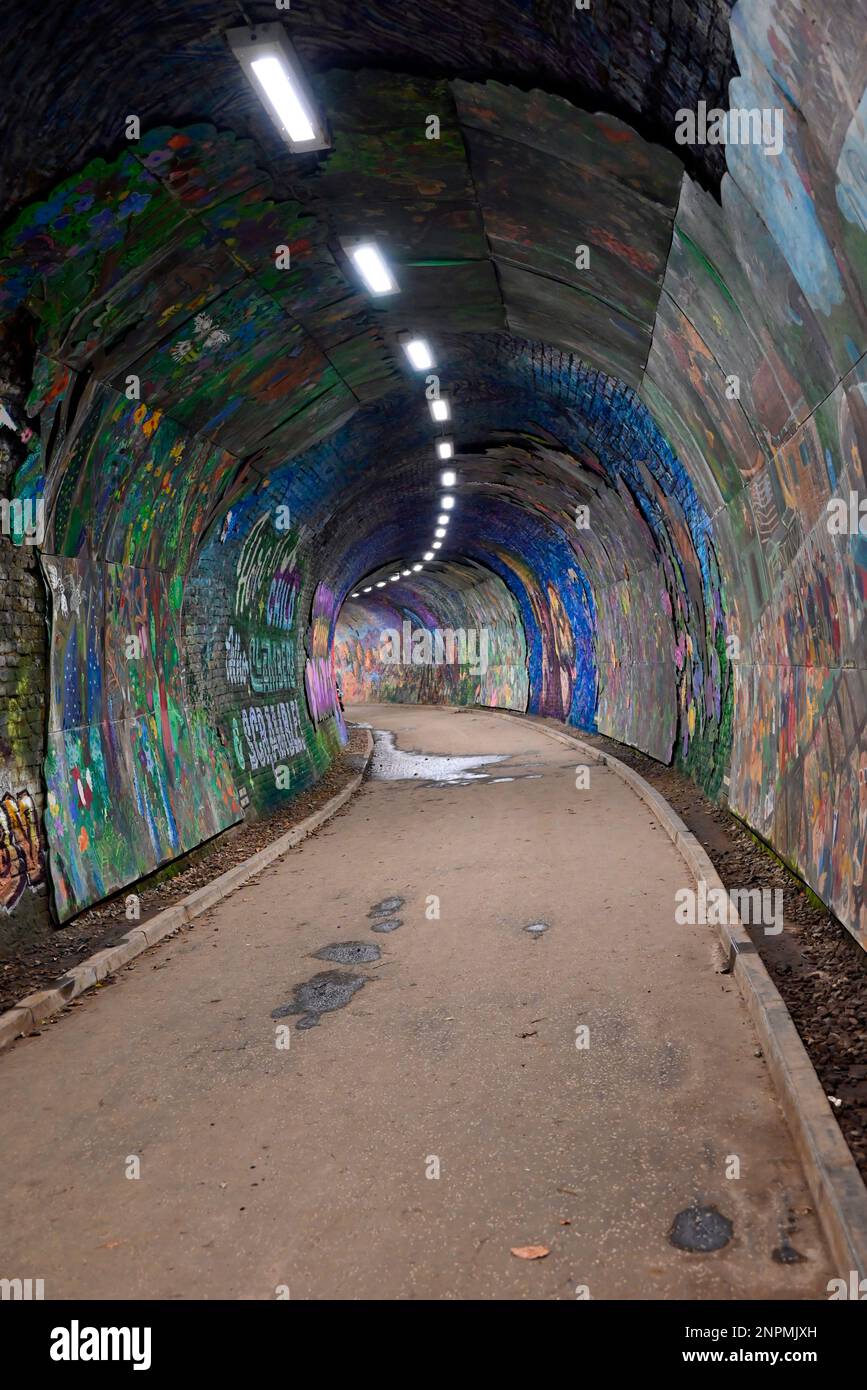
654 368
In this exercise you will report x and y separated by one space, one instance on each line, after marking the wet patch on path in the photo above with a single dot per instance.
390 764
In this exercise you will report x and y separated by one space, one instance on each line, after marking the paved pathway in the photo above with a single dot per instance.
263 1167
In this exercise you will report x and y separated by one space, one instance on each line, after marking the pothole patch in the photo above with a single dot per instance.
349 952
700 1229
537 928
786 1254
386 908
386 924
329 990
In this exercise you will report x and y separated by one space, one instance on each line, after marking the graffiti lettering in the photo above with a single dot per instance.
273 733
266 559
269 667
22 862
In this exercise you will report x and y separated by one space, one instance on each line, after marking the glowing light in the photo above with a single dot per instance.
372 268
418 353
272 68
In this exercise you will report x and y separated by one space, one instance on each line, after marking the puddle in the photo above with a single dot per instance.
387 924
386 907
329 990
349 952
389 764
537 928
700 1229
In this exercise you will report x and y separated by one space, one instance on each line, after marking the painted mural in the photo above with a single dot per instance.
133 774
22 860
318 672
248 596
477 652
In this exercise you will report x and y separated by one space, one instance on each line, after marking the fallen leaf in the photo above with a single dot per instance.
530 1252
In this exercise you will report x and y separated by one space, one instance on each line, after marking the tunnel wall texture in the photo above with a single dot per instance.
386 647
259 631
700 388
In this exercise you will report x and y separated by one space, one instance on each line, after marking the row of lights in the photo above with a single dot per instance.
272 68
447 502
421 358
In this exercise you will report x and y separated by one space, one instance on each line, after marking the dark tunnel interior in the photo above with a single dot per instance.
516 365
652 357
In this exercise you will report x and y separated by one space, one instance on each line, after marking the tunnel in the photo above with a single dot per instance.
433 448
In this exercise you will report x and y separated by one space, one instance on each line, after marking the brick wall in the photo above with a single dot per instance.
23 687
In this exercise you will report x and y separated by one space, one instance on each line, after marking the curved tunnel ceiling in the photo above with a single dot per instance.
694 379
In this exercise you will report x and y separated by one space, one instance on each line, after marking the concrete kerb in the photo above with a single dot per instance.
28 1013
835 1183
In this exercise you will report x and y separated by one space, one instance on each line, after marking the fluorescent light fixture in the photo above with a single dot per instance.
447 503
417 567
406 572
271 65
368 589
370 264
394 577
355 595
428 555
445 448
440 532
443 519
381 584
448 479
437 545
418 351
439 408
